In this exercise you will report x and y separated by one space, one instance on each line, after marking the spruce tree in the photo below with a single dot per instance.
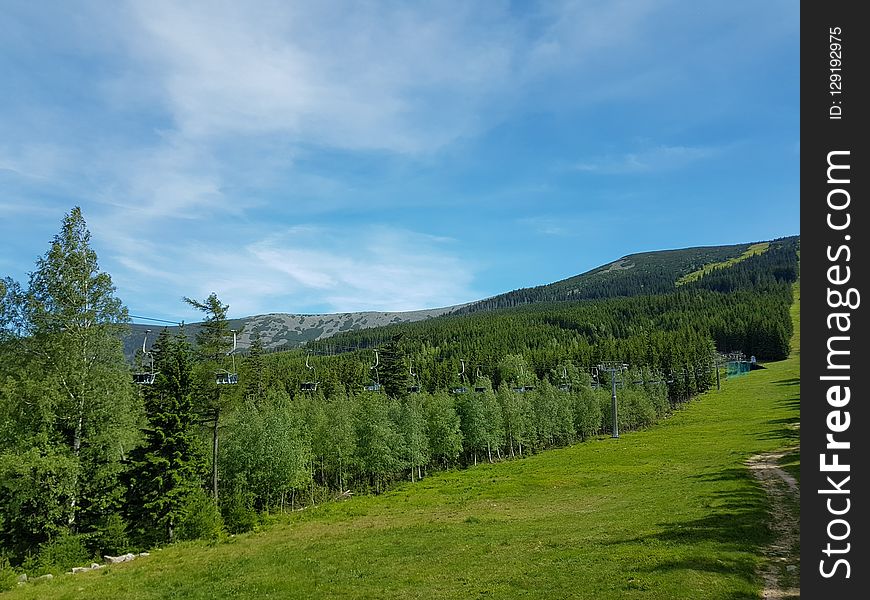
167 470
213 342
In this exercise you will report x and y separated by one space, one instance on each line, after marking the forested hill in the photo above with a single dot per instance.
647 273
719 268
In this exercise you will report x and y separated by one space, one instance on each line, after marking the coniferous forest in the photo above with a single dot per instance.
99 456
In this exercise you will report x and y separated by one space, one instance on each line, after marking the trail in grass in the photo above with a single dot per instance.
781 571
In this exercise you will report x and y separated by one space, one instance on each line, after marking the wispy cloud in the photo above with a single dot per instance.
651 160
377 77
308 268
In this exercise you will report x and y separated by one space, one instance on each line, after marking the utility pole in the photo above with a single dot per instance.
613 367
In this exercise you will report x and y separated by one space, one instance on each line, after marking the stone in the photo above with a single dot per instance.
791 568
22 578
76 570
144 554
119 559
45 577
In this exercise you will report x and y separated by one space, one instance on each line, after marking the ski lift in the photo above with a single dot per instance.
310 386
565 386
461 389
595 382
144 378
224 377
415 386
523 388
478 389
375 384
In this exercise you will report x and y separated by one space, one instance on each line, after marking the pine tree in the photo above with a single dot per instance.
255 386
167 470
213 343
393 371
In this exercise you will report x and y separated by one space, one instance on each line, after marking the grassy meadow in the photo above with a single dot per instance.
665 513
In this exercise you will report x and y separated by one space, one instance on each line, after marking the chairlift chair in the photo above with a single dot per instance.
565 386
224 377
478 389
375 384
461 389
146 378
415 385
310 386
523 388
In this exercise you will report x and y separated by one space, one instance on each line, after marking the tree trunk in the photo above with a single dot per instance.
489 451
77 446
214 454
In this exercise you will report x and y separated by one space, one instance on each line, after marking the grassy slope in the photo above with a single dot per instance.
709 268
665 513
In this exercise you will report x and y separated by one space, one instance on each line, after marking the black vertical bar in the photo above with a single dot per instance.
834 229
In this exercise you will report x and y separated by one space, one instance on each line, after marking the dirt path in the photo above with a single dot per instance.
781 569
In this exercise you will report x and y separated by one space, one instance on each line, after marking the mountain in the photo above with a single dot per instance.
284 330
646 273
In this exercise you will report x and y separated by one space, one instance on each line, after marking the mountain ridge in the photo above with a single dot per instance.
642 273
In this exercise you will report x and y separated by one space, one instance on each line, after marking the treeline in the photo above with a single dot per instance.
668 333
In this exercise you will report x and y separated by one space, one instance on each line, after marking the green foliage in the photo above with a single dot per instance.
378 446
62 553
68 391
443 428
267 451
110 537
201 519
169 466
8 576
237 511
393 369
35 491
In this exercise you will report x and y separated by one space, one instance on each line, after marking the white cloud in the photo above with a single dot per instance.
304 269
652 160
370 77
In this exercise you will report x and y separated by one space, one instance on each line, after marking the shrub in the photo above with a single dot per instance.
62 554
110 537
8 576
238 513
202 518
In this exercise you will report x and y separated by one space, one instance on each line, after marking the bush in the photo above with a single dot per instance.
8 576
110 537
238 513
202 519
62 554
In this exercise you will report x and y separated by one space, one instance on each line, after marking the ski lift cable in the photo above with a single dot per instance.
155 320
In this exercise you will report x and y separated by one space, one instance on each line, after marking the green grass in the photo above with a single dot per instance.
709 268
666 513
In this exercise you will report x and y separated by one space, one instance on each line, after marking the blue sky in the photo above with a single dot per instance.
340 156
